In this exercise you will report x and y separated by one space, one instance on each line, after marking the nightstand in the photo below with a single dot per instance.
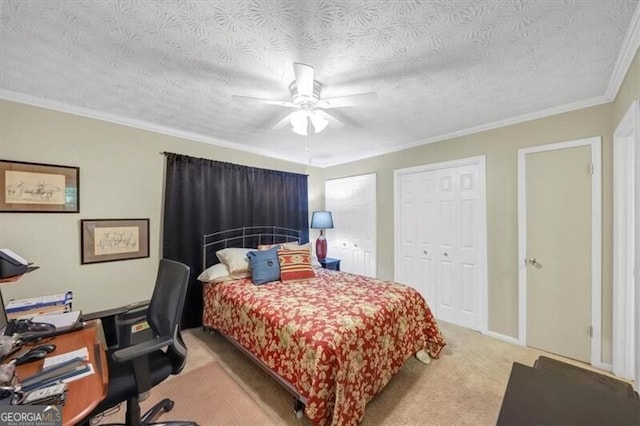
329 263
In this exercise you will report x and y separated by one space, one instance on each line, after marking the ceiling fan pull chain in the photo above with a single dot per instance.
309 130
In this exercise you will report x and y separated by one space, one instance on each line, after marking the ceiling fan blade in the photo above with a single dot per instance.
335 122
346 101
304 79
252 100
284 122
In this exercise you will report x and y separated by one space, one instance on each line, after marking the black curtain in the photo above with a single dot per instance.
205 196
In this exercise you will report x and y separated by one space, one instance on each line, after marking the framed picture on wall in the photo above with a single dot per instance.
107 240
38 188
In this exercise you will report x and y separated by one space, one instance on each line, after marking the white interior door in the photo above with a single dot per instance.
441 238
559 247
352 203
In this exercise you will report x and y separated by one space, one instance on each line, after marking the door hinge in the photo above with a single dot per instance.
590 331
591 169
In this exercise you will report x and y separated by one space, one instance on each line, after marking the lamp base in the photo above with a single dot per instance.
321 247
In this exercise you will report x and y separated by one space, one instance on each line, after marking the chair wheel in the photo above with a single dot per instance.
168 405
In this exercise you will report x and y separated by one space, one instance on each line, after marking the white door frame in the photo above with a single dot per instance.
624 331
596 241
480 161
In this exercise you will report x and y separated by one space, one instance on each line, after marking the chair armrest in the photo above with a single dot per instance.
140 349
113 311
103 314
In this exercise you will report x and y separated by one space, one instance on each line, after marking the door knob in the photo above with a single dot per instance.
446 254
424 251
533 262
355 245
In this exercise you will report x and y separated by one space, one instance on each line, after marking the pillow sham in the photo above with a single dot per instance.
295 265
235 259
215 273
263 247
289 245
219 273
264 265
292 245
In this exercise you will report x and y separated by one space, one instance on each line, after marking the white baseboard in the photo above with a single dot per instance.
603 366
598 364
502 337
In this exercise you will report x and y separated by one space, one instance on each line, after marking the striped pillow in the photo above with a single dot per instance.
295 265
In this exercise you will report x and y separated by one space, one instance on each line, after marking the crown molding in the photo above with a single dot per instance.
22 98
139 124
628 51
599 100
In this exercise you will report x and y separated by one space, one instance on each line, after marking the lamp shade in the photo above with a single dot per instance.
321 220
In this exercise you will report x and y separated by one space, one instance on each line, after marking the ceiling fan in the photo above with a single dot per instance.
310 115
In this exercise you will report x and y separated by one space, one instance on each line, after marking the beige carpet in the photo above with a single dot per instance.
206 395
464 387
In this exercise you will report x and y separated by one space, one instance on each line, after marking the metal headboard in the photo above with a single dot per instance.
247 236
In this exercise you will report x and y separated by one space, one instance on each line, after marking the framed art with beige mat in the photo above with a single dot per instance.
106 240
38 188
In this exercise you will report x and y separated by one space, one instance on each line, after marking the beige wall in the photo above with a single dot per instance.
500 147
121 176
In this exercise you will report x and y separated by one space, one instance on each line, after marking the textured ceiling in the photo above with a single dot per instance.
438 66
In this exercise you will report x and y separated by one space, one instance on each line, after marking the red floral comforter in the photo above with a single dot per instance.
338 338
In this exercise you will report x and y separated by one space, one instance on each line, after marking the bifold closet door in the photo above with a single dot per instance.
352 203
418 238
440 225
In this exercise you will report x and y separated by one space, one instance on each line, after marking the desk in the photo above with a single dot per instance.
540 397
84 394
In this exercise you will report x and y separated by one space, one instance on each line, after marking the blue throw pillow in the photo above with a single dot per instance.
264 265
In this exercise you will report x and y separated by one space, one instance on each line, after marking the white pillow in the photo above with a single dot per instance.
235 259
285 246
215 274
219 273
292 246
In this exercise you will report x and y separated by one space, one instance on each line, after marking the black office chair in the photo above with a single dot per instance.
134 370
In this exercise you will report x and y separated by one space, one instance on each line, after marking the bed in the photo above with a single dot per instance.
334 341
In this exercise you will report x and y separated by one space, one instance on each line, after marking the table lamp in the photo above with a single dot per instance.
321 220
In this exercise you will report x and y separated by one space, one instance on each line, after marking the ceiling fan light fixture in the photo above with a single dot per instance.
299 122
310 115
302 131
319 123
299 119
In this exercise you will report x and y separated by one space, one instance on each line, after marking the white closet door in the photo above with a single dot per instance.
352 203
447 298
458 225
417 248
440 228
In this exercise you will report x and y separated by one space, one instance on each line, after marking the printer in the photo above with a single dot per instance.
12 265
